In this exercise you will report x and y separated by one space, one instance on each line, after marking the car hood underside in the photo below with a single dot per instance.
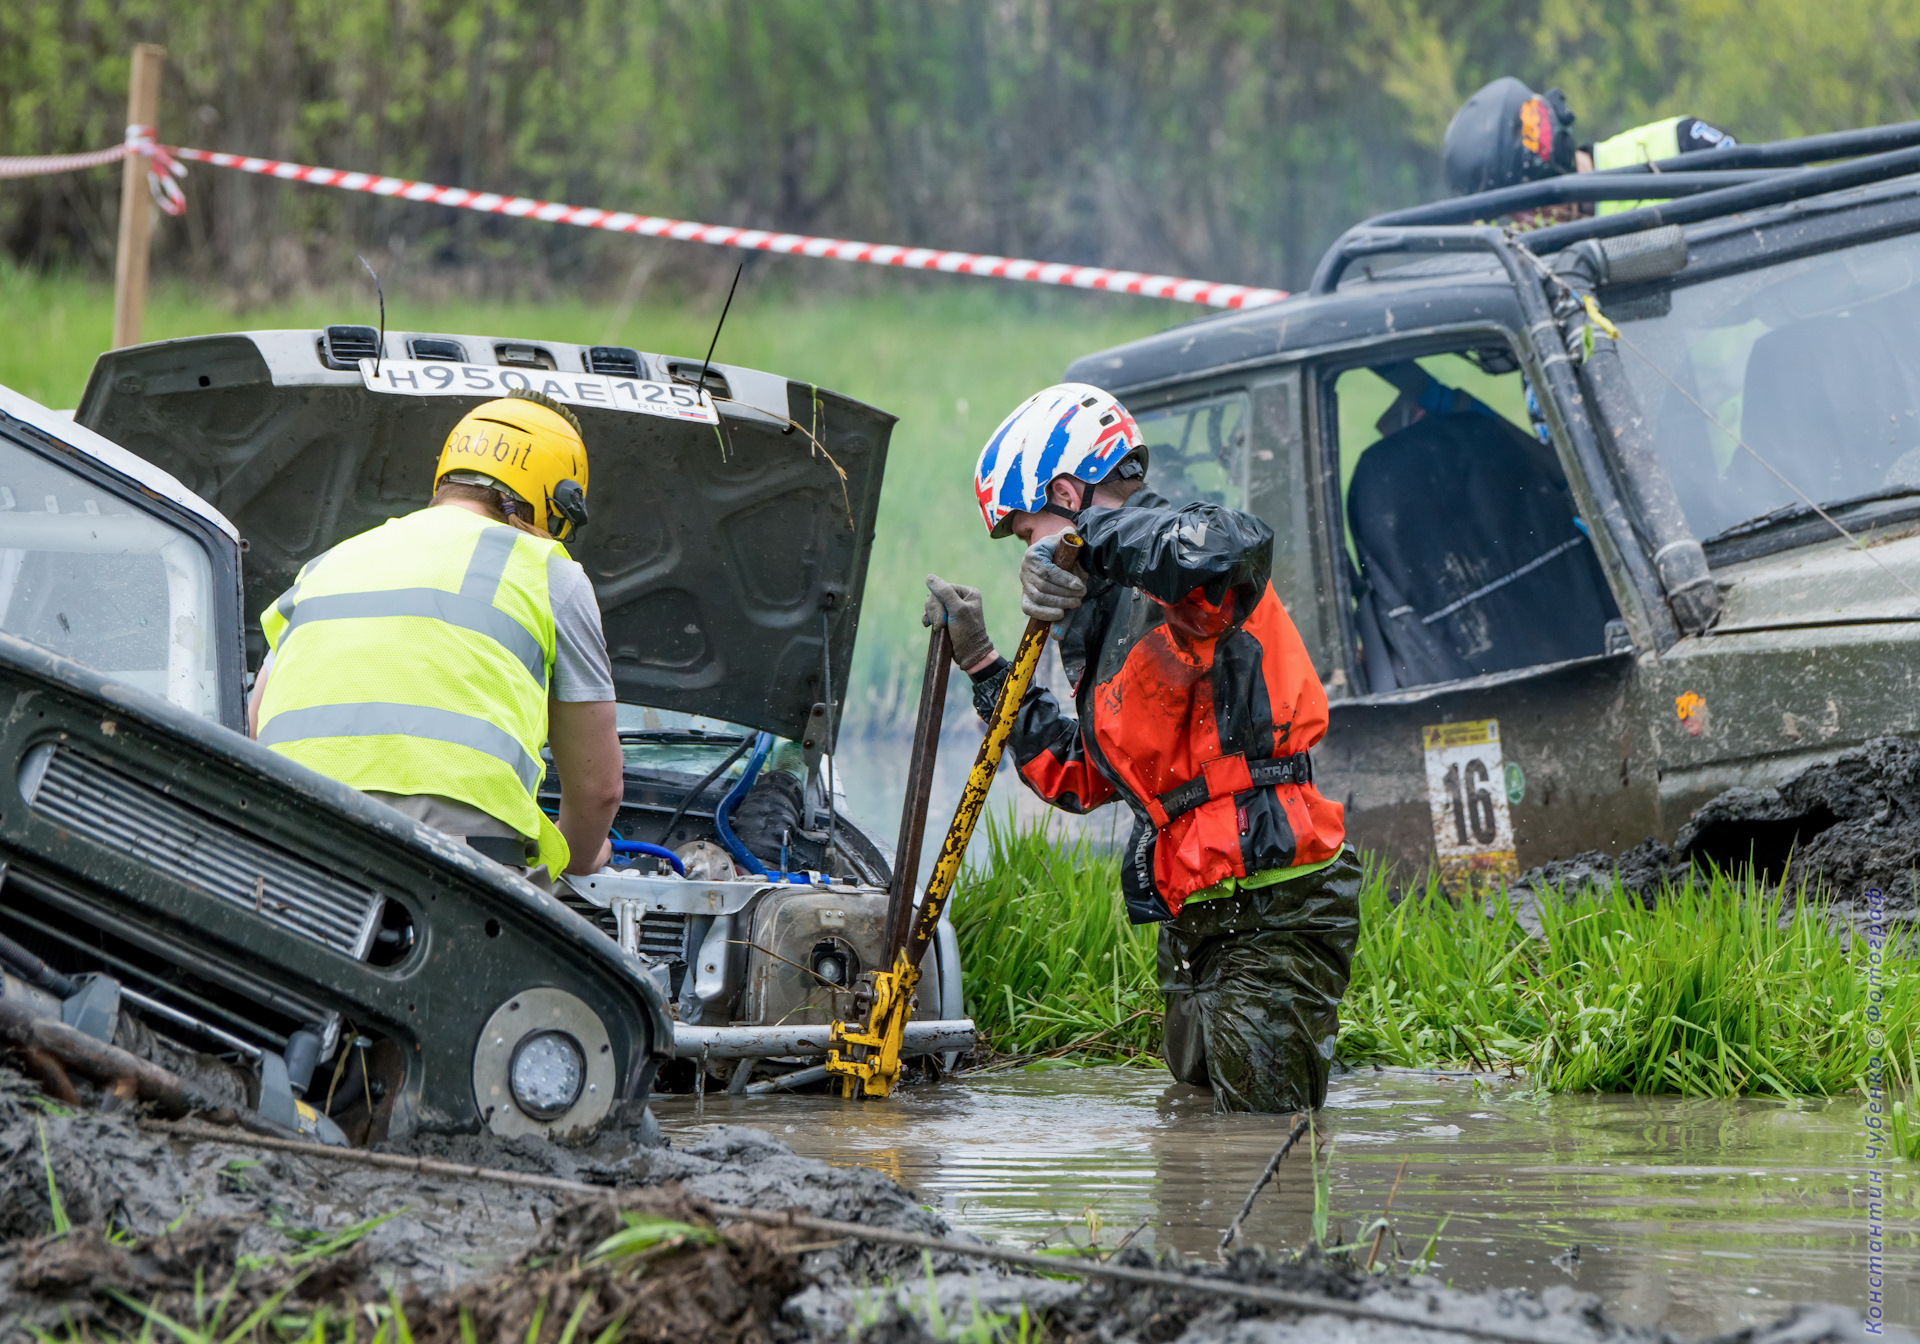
725 557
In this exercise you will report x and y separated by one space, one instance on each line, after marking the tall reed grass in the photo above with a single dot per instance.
1051 963
1718 990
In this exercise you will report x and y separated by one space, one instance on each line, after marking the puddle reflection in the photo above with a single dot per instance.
1699 1216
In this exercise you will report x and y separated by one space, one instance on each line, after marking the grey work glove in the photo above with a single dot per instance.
960 609
1047 592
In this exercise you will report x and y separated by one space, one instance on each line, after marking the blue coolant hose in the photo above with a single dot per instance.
642 847
723 816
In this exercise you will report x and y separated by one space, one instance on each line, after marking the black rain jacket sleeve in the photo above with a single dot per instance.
1167 554
1205 565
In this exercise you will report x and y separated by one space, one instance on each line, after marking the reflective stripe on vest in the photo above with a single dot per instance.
452 608
374 719
415 658
1651 143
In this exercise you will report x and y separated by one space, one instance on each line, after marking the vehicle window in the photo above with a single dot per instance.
93 578
1814 363
1467 555
691 744
1197 450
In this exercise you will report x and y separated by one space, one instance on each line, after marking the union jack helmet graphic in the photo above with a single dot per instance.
1070 429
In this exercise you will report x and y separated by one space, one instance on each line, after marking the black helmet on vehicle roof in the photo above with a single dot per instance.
1507 134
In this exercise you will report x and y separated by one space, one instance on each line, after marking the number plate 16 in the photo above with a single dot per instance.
1467 796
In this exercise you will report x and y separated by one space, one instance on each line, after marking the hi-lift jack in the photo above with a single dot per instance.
866 1058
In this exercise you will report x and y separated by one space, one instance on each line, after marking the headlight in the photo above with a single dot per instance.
546 1074
543 1064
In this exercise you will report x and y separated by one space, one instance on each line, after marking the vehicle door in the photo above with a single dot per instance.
1477 664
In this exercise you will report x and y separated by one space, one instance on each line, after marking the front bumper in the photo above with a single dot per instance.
955 1035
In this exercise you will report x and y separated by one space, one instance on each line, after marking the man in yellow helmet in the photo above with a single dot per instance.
427 661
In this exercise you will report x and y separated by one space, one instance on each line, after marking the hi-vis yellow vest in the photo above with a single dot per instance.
416 658
1651 143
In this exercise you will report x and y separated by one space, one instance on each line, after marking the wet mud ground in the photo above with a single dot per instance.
1011 1157
1698 1217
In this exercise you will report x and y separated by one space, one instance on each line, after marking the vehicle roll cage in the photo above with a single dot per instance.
1686 189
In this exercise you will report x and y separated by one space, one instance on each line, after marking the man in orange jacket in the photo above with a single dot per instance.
1194 703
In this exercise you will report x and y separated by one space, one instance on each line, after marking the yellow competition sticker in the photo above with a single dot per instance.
1475 733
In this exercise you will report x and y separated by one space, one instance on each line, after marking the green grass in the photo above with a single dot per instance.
1052 965
949 357
1708 994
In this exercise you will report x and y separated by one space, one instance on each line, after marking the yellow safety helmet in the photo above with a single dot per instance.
531 447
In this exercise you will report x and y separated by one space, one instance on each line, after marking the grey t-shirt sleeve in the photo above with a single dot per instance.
581 669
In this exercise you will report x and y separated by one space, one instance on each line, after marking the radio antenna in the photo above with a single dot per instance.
708 362
379 349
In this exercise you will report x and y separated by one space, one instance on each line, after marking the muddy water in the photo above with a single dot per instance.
1700 1216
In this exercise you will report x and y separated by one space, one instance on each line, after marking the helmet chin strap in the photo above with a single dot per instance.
1072 515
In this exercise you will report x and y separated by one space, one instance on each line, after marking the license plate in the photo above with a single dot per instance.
433 377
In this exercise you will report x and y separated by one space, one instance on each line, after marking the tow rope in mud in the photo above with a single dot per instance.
140 140
1261 1294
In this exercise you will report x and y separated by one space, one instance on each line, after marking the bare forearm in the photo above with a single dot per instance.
585 828
586 752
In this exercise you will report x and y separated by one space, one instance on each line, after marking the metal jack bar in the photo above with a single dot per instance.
913 810
868 1059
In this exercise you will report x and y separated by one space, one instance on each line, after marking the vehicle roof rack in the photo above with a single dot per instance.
1574 187
1735 191
1793 153
1684 175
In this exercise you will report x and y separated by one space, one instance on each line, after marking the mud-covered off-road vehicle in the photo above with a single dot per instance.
274 939
1587 523
326 960
732 521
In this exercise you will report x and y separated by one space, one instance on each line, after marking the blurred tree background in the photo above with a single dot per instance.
1225 139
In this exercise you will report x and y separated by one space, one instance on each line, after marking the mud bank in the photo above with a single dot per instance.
287 1236
1835 830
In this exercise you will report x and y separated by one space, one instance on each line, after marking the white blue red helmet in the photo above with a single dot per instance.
1070 429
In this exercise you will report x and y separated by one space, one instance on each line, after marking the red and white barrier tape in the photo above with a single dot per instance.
162 167
167 193
40 164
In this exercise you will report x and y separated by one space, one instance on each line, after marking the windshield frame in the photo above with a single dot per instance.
1723 248
223 556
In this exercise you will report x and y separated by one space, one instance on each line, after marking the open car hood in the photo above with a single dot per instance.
725 556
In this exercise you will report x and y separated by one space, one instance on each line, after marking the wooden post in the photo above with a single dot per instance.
136 218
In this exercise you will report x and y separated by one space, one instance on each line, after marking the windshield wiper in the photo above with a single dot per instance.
1792 513
683 737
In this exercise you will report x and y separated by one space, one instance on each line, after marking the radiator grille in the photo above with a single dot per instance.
137 820
663 934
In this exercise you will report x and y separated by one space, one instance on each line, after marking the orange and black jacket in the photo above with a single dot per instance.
1195 704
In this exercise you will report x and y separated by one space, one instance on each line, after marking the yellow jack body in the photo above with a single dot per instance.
870 1058
875 1068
